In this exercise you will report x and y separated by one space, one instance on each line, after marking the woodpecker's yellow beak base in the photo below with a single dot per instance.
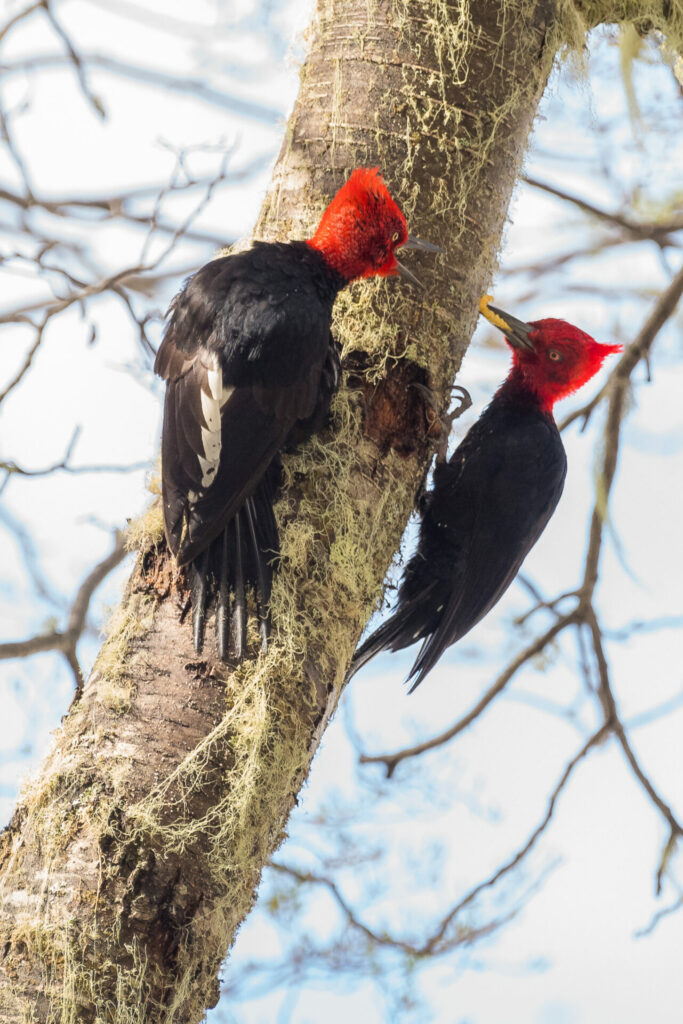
492 317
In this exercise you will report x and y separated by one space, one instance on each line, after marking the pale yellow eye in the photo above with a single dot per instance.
554 355
395 237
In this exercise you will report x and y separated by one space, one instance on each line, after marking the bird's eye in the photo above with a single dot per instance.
395 237
554 355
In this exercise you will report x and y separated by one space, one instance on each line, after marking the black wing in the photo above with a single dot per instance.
244 356
500 500
488 506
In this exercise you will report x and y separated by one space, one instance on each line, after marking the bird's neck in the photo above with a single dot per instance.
328 280
521 390
333 258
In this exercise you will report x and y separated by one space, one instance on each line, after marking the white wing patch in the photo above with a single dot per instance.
211 411
215 379
212 403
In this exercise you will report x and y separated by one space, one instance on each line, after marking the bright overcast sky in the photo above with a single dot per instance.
571 956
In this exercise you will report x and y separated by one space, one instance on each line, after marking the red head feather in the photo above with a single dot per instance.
361 228
562 360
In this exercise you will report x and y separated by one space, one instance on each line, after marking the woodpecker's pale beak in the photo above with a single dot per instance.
418 243
516 331
408 275
421 246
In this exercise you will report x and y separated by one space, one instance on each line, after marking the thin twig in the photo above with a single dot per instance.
380 939
194 87
618 389
658 917
594 740
66 640
392 760
659 233
20 16
612 719
94 101
638 350
28 359
64 464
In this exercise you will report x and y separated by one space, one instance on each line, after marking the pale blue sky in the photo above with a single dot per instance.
571 956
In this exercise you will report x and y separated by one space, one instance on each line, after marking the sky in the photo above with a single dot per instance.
445 820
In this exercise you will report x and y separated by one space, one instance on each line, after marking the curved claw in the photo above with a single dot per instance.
446 421
465 402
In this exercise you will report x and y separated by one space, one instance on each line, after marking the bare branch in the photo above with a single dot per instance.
96 576
659 233
392 760
194 87
659 916
117 206
463 937
612 719
14 152
18 17
541 603
666 707
66 641
129 276
638 350
596 738
617 385
64 464
380 939
94 101
23 370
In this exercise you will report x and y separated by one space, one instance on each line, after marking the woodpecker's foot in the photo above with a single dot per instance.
445 422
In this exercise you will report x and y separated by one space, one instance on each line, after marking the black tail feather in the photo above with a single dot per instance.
239 608
199 596
392 635
430 652
223 600
264 576
241 560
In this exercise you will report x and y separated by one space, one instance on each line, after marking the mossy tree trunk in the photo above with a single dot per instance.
136 853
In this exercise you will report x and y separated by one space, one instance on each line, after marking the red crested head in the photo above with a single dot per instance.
551 358
563 359
361 228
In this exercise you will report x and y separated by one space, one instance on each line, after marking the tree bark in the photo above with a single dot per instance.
134 856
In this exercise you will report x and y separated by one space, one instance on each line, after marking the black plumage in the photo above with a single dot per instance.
251 368
488 506
492 500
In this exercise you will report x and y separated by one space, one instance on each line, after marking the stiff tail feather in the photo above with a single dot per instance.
199 599
223 599
392 635
264 576
239 560
238 624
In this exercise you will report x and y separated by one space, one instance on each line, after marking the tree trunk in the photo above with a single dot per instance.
136 853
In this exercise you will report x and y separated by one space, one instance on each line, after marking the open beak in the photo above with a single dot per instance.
408 275
418 243
421 246
516 331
